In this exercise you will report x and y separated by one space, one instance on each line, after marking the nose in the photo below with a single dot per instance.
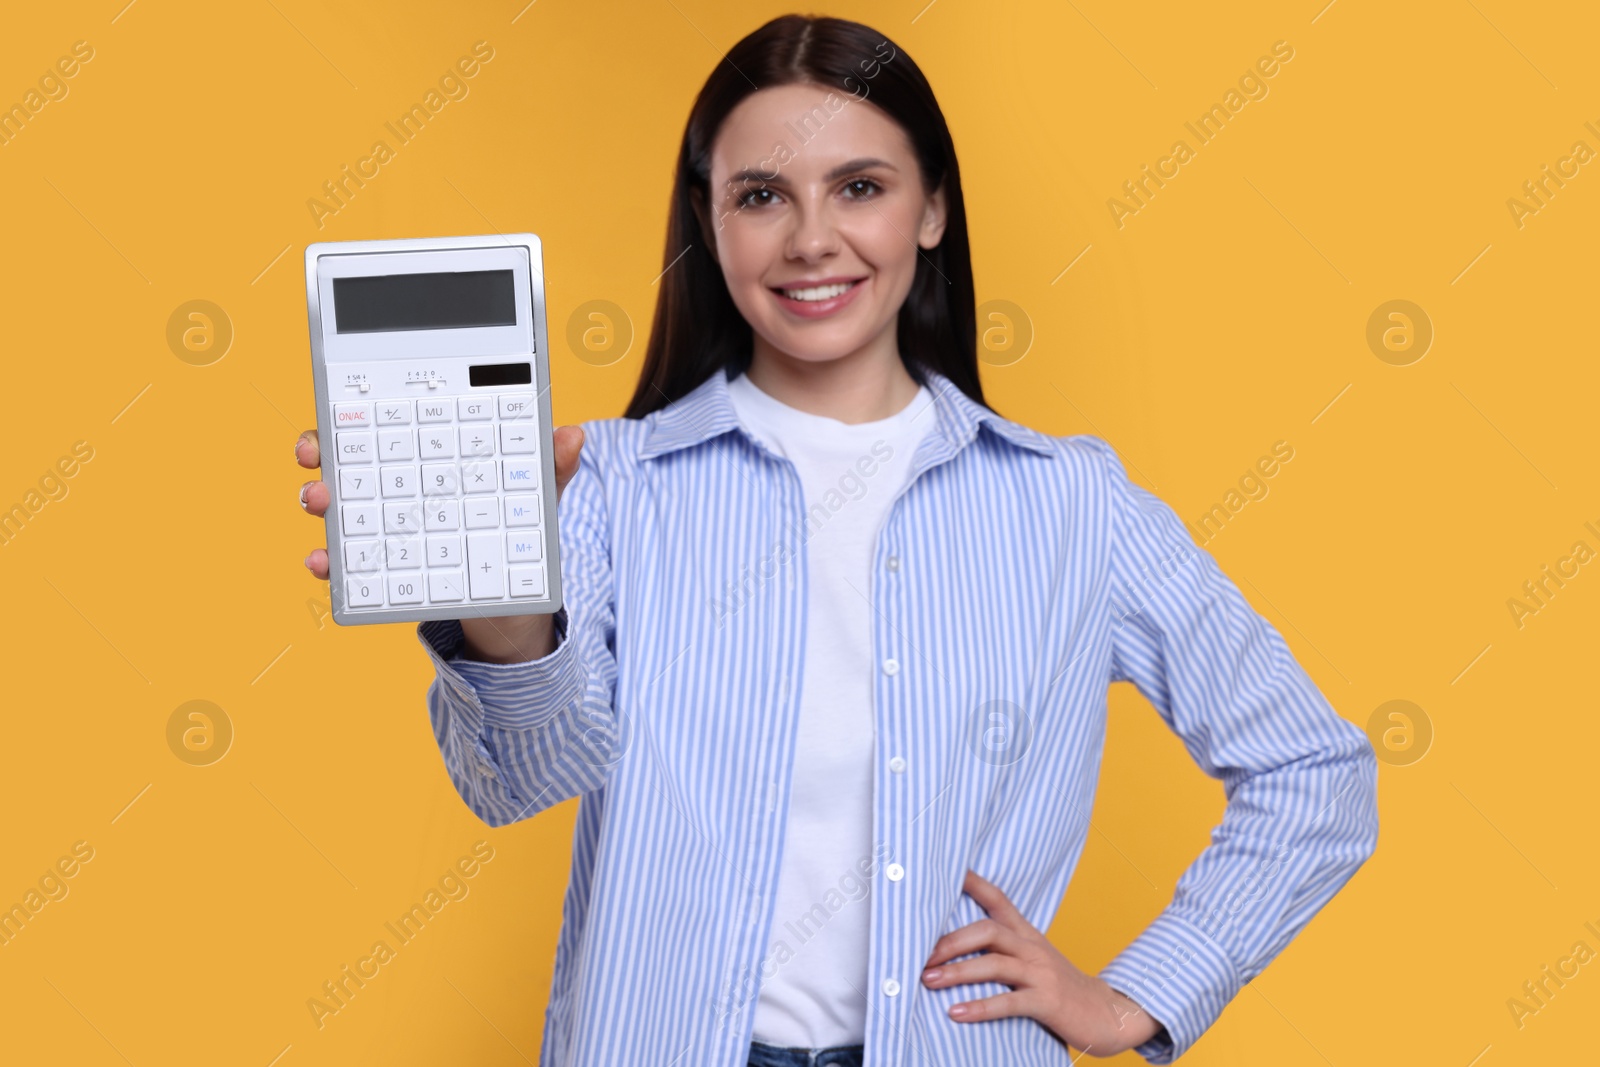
813 236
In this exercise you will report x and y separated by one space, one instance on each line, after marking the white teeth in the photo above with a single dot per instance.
820 292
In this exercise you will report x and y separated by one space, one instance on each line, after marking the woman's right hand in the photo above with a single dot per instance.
507 639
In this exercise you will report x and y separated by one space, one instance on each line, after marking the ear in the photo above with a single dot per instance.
933 220
701 214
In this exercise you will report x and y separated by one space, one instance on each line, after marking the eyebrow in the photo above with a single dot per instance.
751 174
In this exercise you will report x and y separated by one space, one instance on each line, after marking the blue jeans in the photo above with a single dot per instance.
837 1056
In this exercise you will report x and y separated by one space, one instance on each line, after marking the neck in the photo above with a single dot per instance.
864 386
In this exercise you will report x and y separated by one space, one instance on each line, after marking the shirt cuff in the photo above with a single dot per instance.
1180 978
514 696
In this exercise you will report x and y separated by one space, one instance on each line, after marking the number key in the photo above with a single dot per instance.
444 550
361 556
402 518
402 553
398 481
443 515
440 479
364 592
357 483
405 588
359 519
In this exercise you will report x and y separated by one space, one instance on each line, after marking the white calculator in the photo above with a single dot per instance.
431 368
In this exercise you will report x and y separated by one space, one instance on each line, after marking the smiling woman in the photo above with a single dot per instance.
819 216
746 699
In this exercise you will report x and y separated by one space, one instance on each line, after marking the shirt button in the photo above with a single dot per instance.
891 988
897 765
893 563
891 666
895 872
484 770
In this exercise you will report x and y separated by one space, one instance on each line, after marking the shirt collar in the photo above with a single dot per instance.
706 412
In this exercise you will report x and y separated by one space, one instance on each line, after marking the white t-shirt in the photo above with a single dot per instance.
850 475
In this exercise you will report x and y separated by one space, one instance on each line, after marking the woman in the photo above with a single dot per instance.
831 674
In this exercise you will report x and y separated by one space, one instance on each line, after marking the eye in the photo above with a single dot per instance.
863 188
752 197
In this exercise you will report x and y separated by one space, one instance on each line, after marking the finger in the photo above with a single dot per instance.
314 497
317 562
568 444
308 450
996 903
989 967
1000 1006
985 934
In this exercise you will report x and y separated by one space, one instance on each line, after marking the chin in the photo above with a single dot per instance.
814 350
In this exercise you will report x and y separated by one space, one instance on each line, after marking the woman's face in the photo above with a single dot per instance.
819 215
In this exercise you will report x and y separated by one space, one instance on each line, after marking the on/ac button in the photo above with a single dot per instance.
352 415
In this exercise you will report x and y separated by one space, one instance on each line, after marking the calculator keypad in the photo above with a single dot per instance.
439 500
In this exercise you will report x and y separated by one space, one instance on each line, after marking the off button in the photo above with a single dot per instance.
516 405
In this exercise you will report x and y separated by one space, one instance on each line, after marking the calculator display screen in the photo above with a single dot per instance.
451 300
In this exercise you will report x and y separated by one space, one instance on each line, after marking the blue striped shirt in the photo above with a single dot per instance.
1016 576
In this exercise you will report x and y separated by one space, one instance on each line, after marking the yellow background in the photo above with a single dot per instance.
1227 314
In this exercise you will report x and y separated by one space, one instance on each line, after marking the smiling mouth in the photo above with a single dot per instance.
817 293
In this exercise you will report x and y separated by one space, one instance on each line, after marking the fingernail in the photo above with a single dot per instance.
931 976
308 563
298 441
958 1010
304 489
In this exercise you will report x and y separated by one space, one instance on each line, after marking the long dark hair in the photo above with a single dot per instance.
697 328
